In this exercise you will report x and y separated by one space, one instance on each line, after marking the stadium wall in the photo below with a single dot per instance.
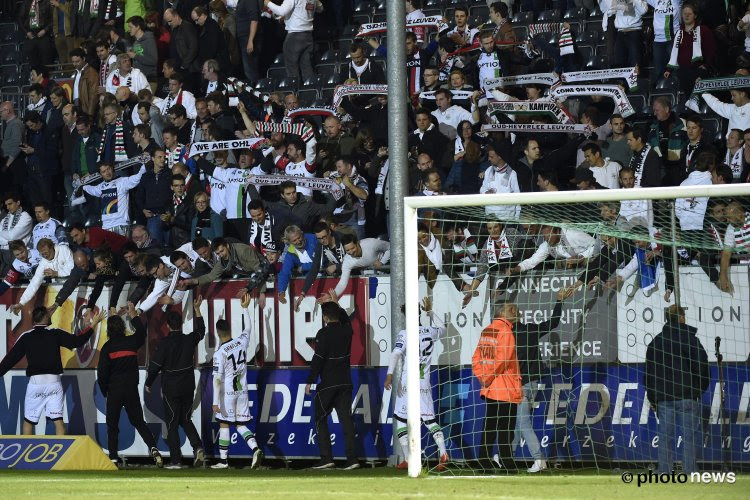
591 407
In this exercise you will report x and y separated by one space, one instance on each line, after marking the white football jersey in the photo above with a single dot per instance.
428 336
230 361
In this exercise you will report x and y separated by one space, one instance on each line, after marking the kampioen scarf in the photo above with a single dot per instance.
119 137
530 107
735 162
630 75
344 90
434 252
507 81
261 235
564 41
370 29
565 128
697 53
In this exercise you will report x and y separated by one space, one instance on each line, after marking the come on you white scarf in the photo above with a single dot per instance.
697 53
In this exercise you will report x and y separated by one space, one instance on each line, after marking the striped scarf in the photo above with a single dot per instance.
565 40
10 220
303 130
119 137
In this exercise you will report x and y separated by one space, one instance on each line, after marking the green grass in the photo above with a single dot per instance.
385 483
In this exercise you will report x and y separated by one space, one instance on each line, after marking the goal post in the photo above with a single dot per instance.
563 215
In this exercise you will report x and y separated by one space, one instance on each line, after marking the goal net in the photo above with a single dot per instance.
563 328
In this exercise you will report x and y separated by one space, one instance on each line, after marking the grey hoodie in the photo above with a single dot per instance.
146 55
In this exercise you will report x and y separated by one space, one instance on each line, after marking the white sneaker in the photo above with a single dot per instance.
257 457
173 466
220 465
539 465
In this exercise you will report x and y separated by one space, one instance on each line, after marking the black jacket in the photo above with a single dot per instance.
118 359
527 344
332 358
41 346
175 358
676 365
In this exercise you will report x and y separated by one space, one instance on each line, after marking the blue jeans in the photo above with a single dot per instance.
687 414
156 230
628 48
662 51
524 425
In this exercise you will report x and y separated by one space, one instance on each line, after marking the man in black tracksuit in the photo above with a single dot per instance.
175 358
332 361
41 346
117 375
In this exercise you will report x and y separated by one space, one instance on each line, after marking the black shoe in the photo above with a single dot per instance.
324 463
351 465
117 461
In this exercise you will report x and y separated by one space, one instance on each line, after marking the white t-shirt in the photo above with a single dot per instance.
115 200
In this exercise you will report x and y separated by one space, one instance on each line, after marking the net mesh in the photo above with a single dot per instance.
596 288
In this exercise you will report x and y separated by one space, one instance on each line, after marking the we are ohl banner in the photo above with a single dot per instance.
592 403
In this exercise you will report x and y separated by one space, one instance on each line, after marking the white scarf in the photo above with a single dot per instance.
504 249
697 53
638 162
735 162
382 176
434 252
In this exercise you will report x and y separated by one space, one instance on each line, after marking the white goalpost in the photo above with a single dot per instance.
549 199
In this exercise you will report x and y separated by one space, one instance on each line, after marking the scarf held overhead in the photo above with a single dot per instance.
344 90
530 107
566 128
622 103
206 147
370 29
315 183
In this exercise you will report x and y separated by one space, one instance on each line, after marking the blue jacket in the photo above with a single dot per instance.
292 260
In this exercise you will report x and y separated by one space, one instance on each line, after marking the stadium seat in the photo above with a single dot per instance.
667 83
365 6
433 12
432 4
480 11
574 13
549 16
343 47
321 46
379 17
9 54
596 62
276 73
522 32
314 82
350 30
307 96
327 69
279 59
522 18
639 103
358 19
329 56
585 52
288 83
265 84
590 37
326 95
380 7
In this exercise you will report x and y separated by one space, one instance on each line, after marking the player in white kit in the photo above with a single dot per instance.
230 403
428 336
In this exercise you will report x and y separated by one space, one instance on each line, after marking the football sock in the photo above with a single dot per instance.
223 442
248 436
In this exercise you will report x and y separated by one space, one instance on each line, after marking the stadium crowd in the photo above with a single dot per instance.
104 154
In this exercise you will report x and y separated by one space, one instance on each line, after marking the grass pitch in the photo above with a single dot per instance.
385 483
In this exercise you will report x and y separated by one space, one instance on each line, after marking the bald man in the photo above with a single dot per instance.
11 148
184 42
334 144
